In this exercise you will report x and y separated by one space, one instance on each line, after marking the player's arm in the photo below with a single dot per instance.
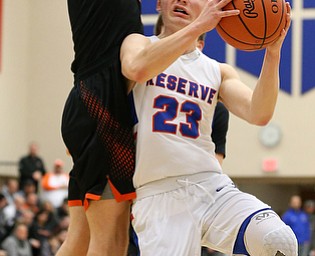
220 126
142 60
257 106
234 94
220 157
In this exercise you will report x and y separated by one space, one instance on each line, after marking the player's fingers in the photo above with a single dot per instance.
288 17
288 7
287 24
229 13
279 41
222 3
226 13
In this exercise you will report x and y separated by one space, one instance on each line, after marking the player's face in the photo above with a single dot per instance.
179 13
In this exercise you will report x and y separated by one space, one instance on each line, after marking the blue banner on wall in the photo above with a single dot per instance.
309 4
308 70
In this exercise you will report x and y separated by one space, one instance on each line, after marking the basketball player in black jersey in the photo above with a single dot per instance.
97 129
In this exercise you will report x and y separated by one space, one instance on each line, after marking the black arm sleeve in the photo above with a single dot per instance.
220 127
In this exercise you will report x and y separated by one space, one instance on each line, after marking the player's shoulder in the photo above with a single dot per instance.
135 39
228 71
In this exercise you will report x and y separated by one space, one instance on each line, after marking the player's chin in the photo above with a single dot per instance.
181 23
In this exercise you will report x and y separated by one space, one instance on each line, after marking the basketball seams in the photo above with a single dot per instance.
257 45
258 25
247 27
280 23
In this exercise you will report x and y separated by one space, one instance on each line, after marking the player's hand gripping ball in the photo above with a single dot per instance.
259 23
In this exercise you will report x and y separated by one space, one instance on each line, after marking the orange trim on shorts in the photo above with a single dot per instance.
121 197
92 196
89 196
75 203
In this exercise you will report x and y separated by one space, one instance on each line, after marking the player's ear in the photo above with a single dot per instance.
200 44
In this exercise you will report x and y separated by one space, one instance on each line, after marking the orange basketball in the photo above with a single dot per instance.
259 23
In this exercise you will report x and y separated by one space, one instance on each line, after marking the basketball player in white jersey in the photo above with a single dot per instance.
183 198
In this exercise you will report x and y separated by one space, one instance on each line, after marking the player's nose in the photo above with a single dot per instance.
182 1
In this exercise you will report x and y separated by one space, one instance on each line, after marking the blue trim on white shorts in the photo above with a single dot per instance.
239 246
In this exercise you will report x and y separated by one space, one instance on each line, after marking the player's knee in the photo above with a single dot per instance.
280 242
267 235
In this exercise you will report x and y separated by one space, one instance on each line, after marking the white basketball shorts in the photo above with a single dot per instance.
175 216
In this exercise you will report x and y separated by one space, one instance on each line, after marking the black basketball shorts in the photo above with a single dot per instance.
97 130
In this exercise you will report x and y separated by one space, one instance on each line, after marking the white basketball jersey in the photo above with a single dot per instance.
174 112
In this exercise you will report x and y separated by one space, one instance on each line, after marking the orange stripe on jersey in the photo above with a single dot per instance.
75 203
119 197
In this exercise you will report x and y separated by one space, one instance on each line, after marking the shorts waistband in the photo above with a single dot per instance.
171 183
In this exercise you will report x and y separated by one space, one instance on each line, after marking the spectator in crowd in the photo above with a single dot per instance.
9 190
26 217
63 223
21 209
32 202
309 208
55 184
31 167
298 220
28 188
4 229
51 245
17 244
63 210
41 230
48 206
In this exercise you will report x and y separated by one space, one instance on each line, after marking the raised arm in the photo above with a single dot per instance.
257 106
142 60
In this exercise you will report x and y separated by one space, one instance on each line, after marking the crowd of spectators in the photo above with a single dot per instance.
34 215
300 217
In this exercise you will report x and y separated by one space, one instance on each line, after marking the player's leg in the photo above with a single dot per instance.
267 235
109 225
78 236
168 223
77 241
240 224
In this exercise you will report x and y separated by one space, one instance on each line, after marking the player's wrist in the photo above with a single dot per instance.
195 29
272 55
